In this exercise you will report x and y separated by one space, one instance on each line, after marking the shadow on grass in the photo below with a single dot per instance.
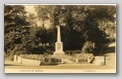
110 49
48 64
10 65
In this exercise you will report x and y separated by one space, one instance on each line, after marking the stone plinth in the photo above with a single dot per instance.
59 53
59 49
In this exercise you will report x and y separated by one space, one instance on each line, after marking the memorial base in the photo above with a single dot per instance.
59 54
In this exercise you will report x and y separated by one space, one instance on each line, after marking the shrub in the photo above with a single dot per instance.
83 57
88 47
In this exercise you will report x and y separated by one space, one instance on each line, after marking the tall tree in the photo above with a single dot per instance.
15 27
42 13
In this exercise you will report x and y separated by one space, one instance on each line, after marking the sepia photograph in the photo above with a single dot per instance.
60 38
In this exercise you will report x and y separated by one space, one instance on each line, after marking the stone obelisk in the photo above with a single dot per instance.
58 45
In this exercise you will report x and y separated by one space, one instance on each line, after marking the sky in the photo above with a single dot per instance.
30 9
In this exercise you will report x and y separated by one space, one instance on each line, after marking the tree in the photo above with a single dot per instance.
109 28
32 19
42 13
88 47
92 21
15 27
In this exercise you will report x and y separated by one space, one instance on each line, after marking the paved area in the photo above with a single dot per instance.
15 65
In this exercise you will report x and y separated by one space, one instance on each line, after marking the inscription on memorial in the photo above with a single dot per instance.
59 46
